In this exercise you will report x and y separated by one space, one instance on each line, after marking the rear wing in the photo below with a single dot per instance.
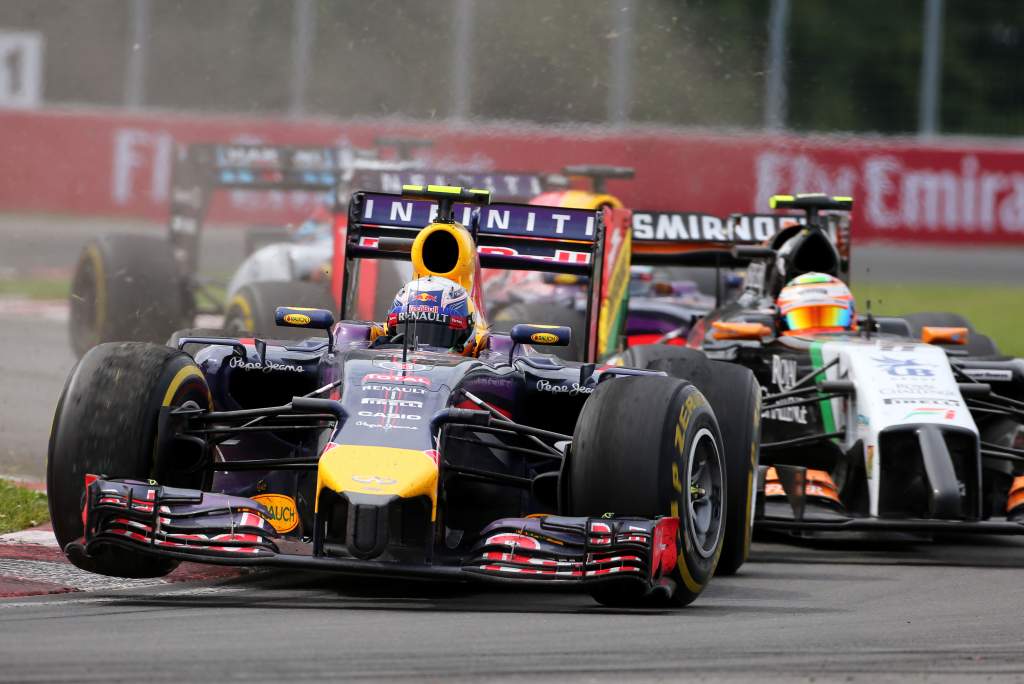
507 236
202 169
698 239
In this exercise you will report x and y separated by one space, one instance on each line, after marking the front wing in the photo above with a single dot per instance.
230 530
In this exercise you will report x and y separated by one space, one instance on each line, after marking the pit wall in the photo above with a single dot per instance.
906 190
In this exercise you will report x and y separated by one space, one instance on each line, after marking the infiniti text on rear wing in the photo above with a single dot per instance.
507 236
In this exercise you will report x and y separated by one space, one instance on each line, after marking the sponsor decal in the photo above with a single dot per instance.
931 412
544 338
424 297
390 416
989 374
407 403
784 376
283 515
917 389
922 400
906 368
512 539
571 389
398 379
247 156
296 319
433 455
400 389
267 367
400 366
374 480
385 426
429 315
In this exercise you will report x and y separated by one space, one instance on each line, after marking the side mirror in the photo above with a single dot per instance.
734 330
299 317
547 335
937 335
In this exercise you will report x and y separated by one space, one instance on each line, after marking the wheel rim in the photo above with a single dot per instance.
704 499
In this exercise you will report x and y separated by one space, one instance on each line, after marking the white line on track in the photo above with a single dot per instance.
67 575
56 600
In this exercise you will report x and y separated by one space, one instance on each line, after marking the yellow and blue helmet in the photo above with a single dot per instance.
438 312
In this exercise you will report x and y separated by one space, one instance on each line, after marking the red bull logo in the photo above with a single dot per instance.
424 297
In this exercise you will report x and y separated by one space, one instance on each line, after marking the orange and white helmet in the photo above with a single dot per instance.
816 302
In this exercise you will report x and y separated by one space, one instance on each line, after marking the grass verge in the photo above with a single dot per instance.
996 310
36 288
21 508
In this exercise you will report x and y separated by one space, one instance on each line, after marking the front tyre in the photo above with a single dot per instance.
107 423
735 396
650 446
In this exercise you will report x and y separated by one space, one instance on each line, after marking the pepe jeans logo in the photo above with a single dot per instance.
572 390
267 367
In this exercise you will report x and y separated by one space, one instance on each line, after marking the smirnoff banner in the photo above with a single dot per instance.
103 163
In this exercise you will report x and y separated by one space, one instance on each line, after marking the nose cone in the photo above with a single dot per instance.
378 471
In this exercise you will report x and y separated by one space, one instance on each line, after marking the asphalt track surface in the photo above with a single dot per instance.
833 612
837 613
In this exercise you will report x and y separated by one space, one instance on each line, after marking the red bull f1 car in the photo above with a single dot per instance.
362 449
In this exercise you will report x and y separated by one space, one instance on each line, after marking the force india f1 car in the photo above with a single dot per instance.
369 453
870 430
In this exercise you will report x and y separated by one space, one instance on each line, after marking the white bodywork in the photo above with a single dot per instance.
897 383
282 261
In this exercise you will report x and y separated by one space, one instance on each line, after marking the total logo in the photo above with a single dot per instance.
572 390
399 379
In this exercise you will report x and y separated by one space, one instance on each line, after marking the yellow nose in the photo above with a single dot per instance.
386 471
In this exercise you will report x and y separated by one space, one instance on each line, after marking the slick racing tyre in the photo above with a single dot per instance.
252 308
735 396
107 424
978 344
547 314
126 287
650 446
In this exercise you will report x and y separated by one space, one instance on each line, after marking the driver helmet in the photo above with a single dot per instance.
816 302
437 312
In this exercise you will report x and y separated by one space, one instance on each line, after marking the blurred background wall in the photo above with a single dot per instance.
842 65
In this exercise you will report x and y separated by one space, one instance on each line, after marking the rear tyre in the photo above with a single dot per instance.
107 424
978 344
126 287
547 314
251 309
650 446
735 396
